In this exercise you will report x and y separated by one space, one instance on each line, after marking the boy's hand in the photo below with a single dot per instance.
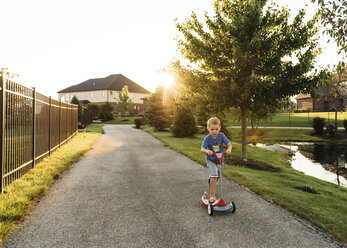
228 151
209 153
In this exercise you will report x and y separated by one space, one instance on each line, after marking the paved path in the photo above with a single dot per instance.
132 191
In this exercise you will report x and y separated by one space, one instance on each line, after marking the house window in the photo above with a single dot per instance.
91 94
103 93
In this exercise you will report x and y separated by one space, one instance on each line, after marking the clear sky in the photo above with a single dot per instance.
55 44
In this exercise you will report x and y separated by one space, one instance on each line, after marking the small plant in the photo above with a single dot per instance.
318 125
138 123
331 130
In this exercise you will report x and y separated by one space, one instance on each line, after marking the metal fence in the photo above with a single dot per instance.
32 126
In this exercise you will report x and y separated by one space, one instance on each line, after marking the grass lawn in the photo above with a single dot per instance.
327 209
19 197
294 120
275 135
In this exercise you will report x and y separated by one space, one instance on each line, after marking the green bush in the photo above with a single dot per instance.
345 124
94 108
318 125
331 130
138 123
106 111
184 123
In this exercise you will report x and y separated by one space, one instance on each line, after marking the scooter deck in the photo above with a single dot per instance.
218 205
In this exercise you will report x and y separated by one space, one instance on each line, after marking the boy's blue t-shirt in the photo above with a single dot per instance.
215 145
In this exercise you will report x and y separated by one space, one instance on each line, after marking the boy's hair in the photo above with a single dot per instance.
214 121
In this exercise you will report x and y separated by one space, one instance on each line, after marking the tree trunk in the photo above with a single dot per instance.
244 133
336 118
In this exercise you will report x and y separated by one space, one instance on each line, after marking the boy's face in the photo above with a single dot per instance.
214 130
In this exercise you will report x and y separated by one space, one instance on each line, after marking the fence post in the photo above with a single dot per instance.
50 125
2 132
34 126
60 125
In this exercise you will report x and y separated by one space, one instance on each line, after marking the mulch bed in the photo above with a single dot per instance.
252 164
306 189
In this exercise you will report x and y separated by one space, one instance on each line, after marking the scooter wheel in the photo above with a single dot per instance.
234 206
210 209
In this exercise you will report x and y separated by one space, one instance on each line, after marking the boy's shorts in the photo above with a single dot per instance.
212 167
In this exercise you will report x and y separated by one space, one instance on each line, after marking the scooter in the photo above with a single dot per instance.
219 205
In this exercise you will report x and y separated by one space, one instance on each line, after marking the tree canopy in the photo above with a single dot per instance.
246 56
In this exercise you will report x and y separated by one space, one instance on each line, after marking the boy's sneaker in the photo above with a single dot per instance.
212 199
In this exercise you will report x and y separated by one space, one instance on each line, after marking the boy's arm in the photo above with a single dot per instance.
207 152
228 151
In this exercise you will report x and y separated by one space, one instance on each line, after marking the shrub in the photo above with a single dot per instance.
345 124
138 123
318 125
94 108
106 111
183 123
331 130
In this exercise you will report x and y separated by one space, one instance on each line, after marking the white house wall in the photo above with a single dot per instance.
100 96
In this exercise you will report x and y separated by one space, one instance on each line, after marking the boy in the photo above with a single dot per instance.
213 142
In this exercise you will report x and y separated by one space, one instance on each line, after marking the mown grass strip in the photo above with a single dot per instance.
327 210
19 197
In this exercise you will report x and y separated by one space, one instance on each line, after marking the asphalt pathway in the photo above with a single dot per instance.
132 191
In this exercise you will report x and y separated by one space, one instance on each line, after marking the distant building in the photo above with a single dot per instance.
101 90
326 103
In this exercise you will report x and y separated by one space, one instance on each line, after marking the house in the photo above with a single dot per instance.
306 102
101 90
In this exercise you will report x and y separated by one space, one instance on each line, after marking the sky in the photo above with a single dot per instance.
55 44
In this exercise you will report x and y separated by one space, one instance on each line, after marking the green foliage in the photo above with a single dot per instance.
184 123
240 56
94 108
334 19
155 114
138 123
345 124
75 100
124 100
318 125
106 111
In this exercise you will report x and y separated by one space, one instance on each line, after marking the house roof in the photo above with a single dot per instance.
303 96
113 82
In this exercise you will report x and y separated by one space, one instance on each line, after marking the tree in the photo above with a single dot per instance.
244 55
75 100
124 100
334 19
155 114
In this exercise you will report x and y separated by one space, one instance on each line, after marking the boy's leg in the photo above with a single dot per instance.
213 182
213 177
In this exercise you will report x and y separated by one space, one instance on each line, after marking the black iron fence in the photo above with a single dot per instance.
31 127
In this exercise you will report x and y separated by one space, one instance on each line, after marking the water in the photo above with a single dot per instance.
325 161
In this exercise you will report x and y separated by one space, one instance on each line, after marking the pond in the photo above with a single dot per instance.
325 161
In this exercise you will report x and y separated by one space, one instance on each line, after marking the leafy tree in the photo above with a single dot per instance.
106 111
155 114
75 100
334 19
244 55
124 100
94 108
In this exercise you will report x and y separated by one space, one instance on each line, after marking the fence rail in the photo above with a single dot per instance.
32 125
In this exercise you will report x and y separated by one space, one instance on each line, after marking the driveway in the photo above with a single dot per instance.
132 191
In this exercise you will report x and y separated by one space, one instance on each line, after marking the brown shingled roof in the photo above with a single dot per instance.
113 82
